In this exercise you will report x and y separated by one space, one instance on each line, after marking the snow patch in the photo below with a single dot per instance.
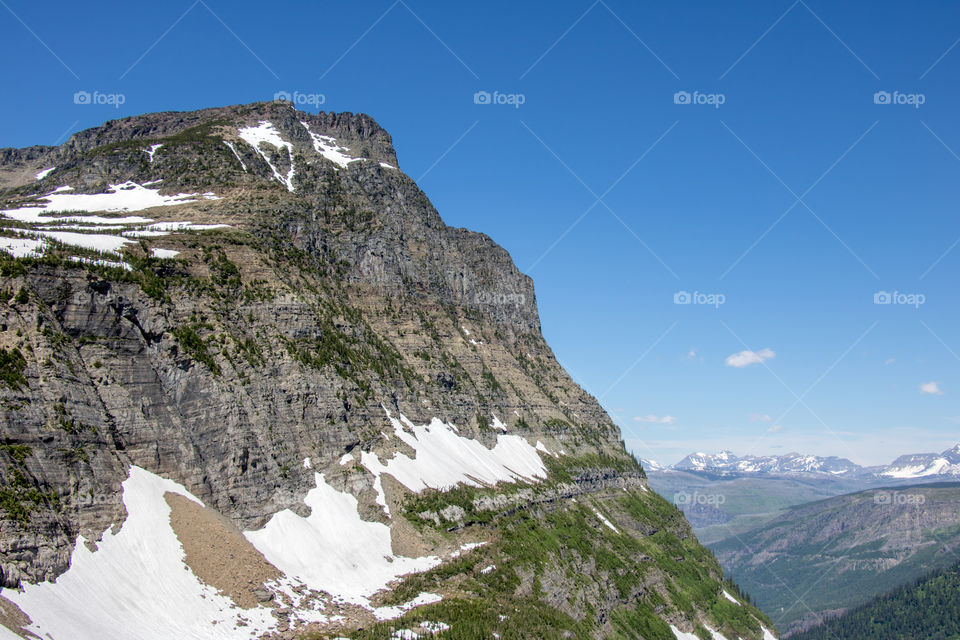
730 598
22 247
136 586
96 242
163 253
329 149
443 459
266 133
126 196
234 149
152 150
333 549
43 174
604 520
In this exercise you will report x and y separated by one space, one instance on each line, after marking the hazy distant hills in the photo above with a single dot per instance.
839 552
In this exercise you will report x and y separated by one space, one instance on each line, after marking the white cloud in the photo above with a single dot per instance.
777 428
760 417
890 361
931 388
746 358
692 354
655 419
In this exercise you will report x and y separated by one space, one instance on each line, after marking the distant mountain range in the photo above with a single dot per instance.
913 466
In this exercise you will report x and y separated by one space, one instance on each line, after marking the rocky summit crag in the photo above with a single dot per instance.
254 314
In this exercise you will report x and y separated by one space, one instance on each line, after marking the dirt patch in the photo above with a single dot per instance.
218 554
13 618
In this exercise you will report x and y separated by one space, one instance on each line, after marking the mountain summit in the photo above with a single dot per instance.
253 386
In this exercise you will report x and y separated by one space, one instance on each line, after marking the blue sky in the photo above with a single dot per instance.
794 201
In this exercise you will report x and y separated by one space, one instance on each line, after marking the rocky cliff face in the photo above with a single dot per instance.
245 301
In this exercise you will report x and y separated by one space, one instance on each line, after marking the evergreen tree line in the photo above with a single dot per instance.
928 609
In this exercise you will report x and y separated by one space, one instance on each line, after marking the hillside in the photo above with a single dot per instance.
721 505
253 386
839 552
928 608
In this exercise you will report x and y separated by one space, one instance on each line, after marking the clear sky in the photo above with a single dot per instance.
781 183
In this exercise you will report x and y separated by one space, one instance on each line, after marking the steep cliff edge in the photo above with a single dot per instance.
240 342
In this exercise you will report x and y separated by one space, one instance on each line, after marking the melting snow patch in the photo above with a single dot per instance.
333 549
387 166
680 635
444 459
498 425
306 463
126 196
163 253
95 242
265 132
604 520
488 569
234 149
43 174
346 458
21 247
183 226
136 585
103 263
329 149
388 613
542 447
730 598
152 150
381 495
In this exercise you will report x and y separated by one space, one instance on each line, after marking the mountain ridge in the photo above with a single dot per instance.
908 466
251 316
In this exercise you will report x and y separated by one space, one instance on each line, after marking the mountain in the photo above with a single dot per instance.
253 386
908 467
726 461
837 553
927 608
719 505
923 465
724 494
